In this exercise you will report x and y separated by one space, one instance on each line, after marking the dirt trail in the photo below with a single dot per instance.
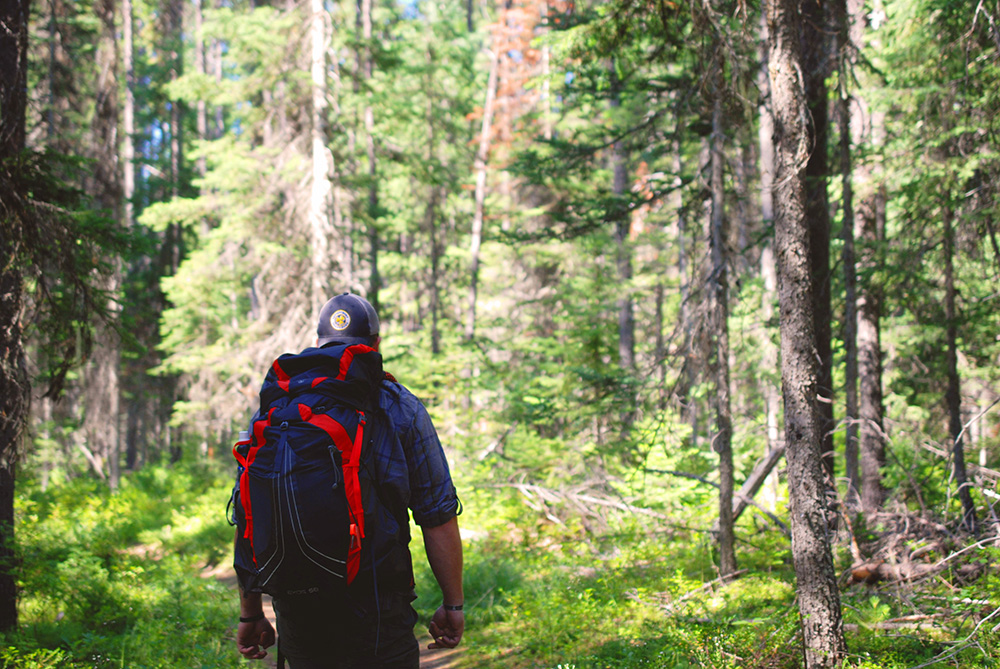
429 659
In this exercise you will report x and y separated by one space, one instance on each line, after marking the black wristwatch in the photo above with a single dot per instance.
252 619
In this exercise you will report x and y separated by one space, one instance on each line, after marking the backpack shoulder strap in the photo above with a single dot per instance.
350 374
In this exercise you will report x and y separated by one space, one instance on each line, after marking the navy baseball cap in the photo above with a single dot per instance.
347 319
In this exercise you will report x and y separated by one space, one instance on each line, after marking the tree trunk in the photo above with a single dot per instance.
102 388
320 191
818 596
816 69
134 385
201 110
872 441
174 29
686 381
623 256
128 115
481 164
719 287
343 224
659 346
760 473
375 279
623 261
770 361
50 113
15 389
867 128
13 77
546 69
953 395
216 69
430 213
846 60
430 221
768 271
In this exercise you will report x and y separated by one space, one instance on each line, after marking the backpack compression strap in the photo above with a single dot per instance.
351 458
245 462
281 376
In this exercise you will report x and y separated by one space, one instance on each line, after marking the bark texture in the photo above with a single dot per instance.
719 287
14 383
867 132
14 398
846 60
816 69
871 439
769 352
953 395
818 596
102 379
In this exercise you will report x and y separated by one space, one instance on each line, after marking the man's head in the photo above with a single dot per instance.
347 319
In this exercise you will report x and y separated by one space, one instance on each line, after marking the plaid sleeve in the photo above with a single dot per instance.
433 498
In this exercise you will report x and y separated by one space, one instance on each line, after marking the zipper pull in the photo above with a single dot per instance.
336 468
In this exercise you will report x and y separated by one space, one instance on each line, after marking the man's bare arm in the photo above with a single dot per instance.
444 553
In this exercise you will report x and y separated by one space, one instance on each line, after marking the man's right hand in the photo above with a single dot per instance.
446 628
253 638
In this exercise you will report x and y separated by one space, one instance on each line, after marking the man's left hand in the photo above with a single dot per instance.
253 638
446 628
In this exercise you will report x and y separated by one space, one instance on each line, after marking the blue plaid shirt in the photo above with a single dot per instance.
432 496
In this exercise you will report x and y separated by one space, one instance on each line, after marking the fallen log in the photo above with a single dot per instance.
875 571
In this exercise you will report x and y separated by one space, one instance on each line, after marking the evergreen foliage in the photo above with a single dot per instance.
60 243
588 478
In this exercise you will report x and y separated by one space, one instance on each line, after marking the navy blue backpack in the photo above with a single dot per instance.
304 474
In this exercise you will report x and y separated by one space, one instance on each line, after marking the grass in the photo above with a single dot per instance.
559 597
116 580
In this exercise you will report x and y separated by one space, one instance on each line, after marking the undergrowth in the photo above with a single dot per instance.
119 580
633 595
116 580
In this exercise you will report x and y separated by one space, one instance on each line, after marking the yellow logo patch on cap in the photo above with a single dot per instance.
340 320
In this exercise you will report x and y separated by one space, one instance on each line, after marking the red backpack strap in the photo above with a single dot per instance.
255 442
389 377
282 376
351 459
347 357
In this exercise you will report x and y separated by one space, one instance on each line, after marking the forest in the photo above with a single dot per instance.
702 297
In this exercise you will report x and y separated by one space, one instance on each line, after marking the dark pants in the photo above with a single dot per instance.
314 633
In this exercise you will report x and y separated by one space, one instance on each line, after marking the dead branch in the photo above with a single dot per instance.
961 645
497 443
579 500
740 496
888 626
893 562
973 468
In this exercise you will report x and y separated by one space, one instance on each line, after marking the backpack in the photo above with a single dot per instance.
304 475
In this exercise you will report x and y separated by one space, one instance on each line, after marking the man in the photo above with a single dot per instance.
372 627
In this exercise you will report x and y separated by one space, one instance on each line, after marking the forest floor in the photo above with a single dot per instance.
429 659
